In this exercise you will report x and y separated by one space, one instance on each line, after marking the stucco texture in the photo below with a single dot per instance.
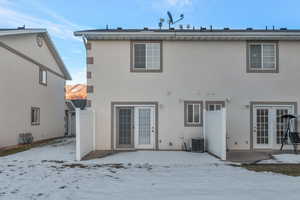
20 90
194 71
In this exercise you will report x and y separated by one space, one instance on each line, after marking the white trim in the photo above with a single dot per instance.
21 31
272 131
148 65
187 113
261 44
152 128
191 35
115 122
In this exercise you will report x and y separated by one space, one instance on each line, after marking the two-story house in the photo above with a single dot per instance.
32 81
149 88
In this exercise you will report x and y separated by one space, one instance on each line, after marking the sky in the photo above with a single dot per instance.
62 17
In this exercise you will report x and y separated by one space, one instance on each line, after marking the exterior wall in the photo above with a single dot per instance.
20 90
27 44
192 71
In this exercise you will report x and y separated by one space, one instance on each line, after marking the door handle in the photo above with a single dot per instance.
254 129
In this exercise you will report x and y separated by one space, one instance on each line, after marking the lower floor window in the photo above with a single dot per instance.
214 107
193 113
35 116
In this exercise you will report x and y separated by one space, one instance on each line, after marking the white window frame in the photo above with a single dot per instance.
147 68
263 68
214 106
186 110
43 76
35 116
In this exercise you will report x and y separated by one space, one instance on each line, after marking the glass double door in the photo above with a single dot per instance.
268 126
136 127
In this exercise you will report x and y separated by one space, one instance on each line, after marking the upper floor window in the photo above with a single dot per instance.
262 57
146 57
43 76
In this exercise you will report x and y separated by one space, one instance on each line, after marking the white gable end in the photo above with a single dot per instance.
35 47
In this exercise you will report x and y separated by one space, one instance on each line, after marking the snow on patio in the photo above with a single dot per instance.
50 172
283 158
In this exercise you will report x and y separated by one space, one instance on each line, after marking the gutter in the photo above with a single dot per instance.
178 35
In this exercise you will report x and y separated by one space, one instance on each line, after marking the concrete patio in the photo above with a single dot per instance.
247 157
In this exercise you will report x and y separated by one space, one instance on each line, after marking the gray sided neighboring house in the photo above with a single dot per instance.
32 80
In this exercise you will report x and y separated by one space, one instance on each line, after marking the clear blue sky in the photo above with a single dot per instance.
62 17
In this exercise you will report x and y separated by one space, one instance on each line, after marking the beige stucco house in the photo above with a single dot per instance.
32 80
150 88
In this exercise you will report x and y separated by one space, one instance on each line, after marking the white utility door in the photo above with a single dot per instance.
268 127
144 128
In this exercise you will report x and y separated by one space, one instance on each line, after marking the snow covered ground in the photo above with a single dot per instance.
283 158
50 172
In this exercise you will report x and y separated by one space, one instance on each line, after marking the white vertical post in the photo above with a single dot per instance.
224 135
204 127
78 150
94 129
69 123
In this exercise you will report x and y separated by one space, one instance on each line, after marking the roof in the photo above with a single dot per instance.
190 34
77 91
22 31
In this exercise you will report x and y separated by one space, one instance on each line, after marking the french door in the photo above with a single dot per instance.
135 127
268 126
125 127
144 120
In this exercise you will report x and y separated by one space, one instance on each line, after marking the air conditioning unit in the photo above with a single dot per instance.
25 138
197 145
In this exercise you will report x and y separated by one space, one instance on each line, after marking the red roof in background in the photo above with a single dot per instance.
77 91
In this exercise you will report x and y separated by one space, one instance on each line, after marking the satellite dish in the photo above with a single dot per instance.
170 18
171 21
